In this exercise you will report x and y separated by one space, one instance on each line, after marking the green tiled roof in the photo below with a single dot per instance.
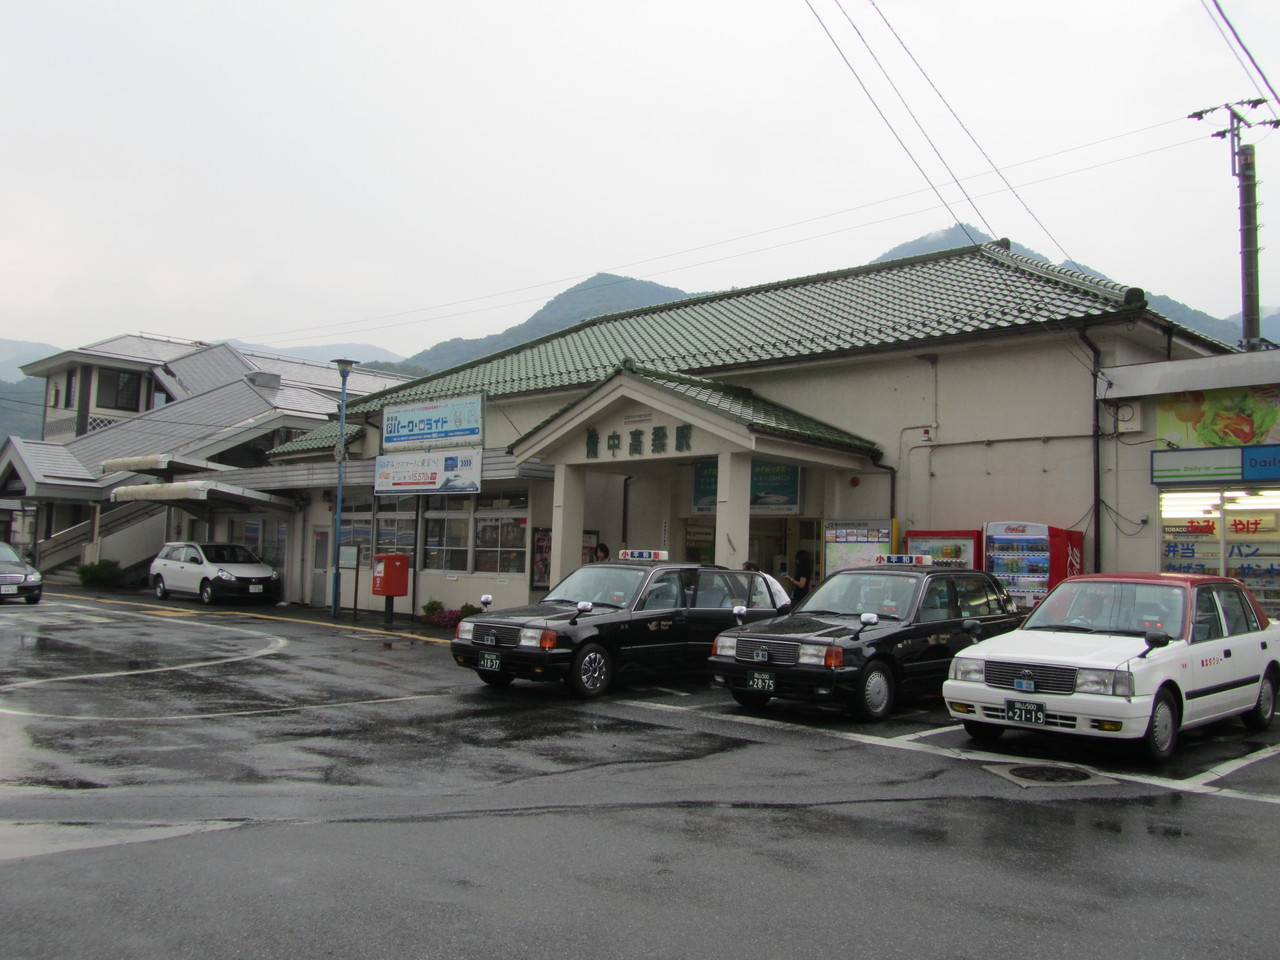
322 437
759 416
916 300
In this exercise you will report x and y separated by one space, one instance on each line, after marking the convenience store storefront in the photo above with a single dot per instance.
1220 514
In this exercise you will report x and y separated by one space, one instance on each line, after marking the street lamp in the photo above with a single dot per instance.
340 454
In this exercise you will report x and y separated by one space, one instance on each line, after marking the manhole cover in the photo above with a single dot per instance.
1043 774
1047 775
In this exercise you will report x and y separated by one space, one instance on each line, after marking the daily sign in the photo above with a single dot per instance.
451 422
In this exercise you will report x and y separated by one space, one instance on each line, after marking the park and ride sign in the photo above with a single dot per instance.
427 424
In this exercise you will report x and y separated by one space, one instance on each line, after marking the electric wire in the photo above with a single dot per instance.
1240 43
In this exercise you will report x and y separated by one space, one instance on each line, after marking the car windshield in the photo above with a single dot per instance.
8 554
228 553
1111 606
616 586
887 595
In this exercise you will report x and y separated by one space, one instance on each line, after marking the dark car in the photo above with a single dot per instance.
862 636
605 617
17 577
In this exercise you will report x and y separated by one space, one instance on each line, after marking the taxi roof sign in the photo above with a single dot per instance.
642 555
905 559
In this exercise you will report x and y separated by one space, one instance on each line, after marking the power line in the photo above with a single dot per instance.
1240 43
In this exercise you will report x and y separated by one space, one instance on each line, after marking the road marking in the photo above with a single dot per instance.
1200 784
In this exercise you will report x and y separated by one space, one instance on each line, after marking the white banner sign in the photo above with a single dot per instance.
443 471
449 422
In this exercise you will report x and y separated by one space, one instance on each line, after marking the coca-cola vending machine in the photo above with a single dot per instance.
949 548
1030 558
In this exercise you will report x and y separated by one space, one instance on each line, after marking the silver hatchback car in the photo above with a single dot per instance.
213 571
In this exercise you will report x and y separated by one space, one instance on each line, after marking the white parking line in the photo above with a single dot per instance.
1201 784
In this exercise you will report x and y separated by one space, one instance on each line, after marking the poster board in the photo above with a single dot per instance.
855 543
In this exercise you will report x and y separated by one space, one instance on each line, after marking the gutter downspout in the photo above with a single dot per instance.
1097 453
893 489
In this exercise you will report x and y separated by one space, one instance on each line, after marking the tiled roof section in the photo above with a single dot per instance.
321 438
207 367
972 290
141 347
758 415
51 461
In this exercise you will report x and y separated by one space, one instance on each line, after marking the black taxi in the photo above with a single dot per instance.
639 610
863 635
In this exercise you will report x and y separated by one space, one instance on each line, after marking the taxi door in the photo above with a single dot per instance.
659 621
1227 652
714 595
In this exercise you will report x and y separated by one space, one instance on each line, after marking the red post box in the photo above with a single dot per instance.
390 575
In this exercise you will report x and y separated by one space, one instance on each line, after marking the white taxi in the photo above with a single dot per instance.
1136 656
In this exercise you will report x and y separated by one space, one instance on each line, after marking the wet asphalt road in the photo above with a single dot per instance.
184 782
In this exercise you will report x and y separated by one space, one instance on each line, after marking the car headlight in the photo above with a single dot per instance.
725 647
34 576
820 655
1111 683
464 630
225 575
968 668
275 574
537 637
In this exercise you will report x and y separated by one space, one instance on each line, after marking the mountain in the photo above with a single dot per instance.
22 406
962 235
14 353
597 296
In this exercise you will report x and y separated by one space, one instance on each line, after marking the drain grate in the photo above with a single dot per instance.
1047 775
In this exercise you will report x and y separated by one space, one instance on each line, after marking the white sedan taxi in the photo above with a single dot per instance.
1135 656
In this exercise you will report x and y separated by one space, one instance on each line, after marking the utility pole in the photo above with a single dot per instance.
1244 170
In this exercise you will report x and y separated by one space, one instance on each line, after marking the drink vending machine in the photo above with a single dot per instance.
1030 558
950 548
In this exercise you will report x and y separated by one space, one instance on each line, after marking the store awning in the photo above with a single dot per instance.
204 491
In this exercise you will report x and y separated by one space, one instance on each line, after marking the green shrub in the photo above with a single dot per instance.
468 610
104 573
431 609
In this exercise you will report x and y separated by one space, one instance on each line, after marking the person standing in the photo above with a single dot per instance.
801 580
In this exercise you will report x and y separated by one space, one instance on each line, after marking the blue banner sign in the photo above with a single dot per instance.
454 421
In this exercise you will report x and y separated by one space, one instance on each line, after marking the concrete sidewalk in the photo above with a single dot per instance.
375 621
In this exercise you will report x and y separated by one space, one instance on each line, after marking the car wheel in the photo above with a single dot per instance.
206 592
983 732
162 592
1162 729
496 679
591 672
1259 716
33 597
874 697
751 698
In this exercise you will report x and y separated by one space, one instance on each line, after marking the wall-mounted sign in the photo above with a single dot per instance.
453 421
1216 465
775 488
1229 417
440 471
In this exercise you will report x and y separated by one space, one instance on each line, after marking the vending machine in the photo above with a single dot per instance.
949 548
1030 558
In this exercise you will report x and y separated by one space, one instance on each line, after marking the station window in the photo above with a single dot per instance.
487 533
397 525
357 527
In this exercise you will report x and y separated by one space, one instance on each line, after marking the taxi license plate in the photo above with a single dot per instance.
1024 711
8 588
760 681
490 660
255 588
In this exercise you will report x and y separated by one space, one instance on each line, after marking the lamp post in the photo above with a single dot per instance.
340 454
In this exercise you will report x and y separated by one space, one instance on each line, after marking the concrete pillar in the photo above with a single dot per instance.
568 508
733 509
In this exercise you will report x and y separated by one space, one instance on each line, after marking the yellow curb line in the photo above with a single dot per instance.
170 612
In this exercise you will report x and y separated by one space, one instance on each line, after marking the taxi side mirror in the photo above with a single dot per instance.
485 600
739 612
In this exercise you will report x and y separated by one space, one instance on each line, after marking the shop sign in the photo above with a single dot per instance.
450 422
443 471
1195 466
1228 417
775 487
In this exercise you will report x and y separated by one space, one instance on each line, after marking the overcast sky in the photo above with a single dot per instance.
400 172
